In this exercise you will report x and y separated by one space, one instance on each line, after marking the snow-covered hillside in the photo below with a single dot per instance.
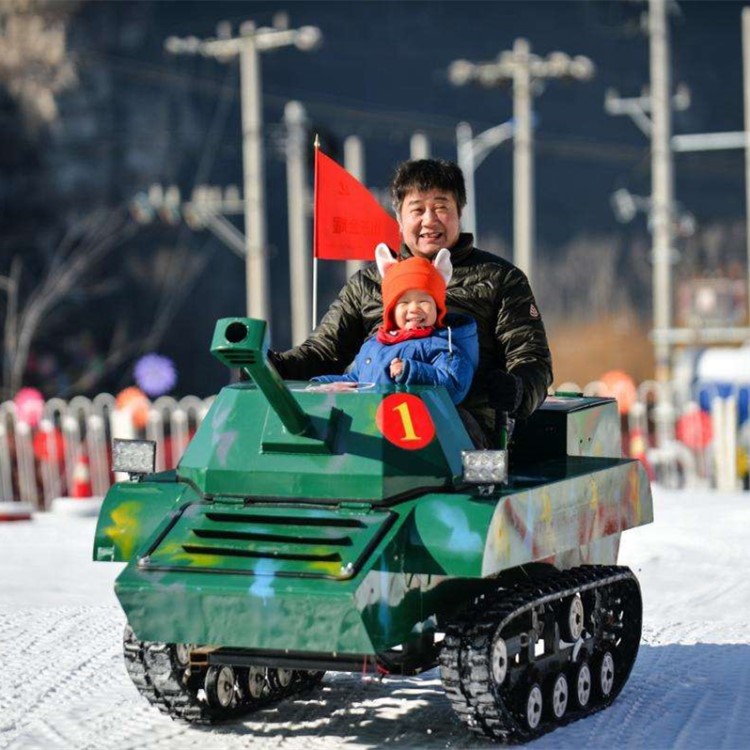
62 683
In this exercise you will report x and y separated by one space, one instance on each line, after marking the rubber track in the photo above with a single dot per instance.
464 666
157 675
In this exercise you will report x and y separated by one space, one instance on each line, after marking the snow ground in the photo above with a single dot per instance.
62 683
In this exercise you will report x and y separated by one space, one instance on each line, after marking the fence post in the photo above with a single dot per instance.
724 421
96 441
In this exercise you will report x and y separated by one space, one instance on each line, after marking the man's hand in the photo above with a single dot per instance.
397 367
504 391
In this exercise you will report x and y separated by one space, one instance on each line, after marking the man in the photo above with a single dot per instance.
515 367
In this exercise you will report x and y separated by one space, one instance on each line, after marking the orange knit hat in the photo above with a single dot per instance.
413 273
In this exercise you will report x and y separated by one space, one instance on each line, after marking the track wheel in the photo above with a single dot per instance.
573 625
607 674
499 661
280 678
534 706
182 654
583 685
220 687
256 682
559 696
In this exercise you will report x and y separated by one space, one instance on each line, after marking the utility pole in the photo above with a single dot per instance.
471 152
295 119
746 90
641 109
354 163
523 70
247 47
662 184
419 146
658 102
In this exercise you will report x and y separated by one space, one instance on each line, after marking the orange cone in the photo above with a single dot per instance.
81 479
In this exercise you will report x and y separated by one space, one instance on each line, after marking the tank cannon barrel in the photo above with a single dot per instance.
241 342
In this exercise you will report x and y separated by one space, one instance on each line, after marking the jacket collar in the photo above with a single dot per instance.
459 252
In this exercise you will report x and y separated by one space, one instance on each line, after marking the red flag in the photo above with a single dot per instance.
348 221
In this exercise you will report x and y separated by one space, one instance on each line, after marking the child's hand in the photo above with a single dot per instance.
397 367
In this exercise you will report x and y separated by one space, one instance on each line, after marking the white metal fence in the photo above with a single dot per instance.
37 463
712 452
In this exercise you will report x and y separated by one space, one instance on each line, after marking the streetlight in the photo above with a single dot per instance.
472 151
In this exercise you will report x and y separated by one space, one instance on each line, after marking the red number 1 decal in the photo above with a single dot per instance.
405 421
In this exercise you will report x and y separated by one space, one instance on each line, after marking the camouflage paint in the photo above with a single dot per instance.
229 454
349 544
132 511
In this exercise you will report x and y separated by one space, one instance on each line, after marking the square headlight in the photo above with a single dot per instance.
134 456
485 467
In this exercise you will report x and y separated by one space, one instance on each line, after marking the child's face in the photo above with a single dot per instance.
415 309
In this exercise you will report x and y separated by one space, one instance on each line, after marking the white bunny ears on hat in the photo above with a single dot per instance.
442 261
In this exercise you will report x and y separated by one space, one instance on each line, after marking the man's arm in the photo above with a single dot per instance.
520 333
333 344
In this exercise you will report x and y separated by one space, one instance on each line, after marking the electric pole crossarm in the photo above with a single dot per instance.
638 107
709 141
265 38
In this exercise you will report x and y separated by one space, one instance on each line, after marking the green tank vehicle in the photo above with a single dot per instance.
309 529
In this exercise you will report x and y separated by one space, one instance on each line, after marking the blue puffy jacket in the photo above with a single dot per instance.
448 357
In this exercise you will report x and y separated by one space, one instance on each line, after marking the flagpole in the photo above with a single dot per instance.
315 294
316 145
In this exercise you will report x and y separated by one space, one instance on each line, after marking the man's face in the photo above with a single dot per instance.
429 221
415 309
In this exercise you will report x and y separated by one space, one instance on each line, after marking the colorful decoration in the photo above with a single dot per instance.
49 445
134 401
29 406
155 374
621 387
694 428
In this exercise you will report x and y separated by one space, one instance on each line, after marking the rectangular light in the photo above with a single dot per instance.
133 456
485 467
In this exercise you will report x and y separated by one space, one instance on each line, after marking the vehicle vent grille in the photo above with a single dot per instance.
276 540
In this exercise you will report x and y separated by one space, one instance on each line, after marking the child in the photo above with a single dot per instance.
418 343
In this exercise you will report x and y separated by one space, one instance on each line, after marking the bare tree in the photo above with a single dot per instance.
167 279
82 248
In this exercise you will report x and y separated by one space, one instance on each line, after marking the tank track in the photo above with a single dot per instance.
163 675
524 660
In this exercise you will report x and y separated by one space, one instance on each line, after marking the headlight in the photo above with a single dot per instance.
136 457
485 467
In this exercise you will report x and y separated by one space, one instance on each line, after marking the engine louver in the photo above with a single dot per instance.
271 541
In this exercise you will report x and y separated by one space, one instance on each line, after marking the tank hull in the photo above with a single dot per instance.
237 575
309 529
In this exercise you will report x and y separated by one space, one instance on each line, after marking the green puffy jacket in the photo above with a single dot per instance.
491 290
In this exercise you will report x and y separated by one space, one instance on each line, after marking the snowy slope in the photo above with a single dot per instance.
62 683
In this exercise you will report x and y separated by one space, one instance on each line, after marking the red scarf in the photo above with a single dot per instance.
396 337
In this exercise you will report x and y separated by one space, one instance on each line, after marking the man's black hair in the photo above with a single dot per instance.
427 174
